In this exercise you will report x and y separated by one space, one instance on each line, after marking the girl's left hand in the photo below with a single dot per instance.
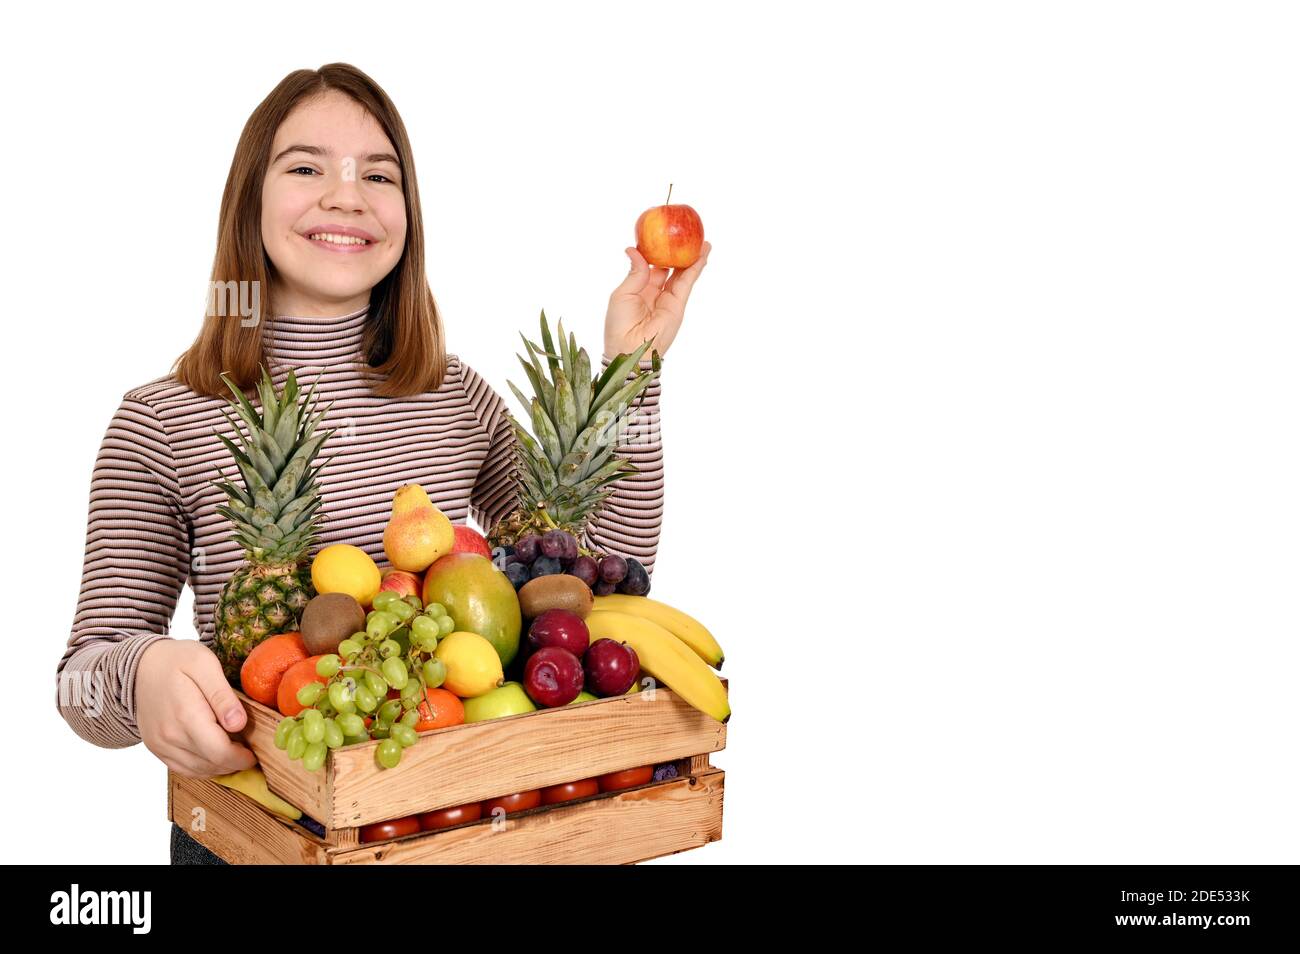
649 303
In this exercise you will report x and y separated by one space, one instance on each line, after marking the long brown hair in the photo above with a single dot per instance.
403 340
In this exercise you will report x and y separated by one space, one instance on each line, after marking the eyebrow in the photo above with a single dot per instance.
322 151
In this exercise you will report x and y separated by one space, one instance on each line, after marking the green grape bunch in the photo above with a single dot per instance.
394 651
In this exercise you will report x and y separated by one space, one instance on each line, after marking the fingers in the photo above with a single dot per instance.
636 279
681 282
207 730
205 671
206 749
197 766
186 750
658 275
215 748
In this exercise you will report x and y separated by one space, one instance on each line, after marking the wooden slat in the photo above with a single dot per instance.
238 829
470 763
697 764
308 791
343 837
632 826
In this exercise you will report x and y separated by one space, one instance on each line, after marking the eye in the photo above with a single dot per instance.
380 176
303 168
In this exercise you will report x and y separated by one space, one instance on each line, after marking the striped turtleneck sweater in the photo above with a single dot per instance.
153 526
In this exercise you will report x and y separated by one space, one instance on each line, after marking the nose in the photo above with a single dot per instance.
342 193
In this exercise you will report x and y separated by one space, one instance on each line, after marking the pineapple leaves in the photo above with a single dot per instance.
527 443
546 434
612 380
276 513
610 472
566 355
527 404
549 344
286 428
252 479
629 391
259 446
541 384
565 467
566 410
238 498
582 390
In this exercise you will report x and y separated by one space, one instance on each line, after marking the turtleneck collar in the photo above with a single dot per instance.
296 340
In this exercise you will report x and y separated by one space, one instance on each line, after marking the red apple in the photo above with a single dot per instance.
670 236
402 582
469 540
557 627
553 676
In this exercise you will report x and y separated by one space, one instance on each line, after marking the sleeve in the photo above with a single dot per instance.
630 522
136 562
494 494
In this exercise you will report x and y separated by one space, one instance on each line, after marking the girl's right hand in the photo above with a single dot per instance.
184 709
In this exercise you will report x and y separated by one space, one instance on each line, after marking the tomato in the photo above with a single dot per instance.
569 791
395 828
628 778
513 803
447 817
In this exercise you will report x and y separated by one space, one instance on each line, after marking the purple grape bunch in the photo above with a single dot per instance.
556 551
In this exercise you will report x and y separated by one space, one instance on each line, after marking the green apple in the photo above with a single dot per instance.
505 700
583 696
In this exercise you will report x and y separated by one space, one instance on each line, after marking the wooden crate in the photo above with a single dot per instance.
470 763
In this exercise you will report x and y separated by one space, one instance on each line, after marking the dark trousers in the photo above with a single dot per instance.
187 851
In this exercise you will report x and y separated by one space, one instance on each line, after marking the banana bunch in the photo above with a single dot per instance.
672 647
686 628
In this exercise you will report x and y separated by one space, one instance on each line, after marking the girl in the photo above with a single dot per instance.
321 219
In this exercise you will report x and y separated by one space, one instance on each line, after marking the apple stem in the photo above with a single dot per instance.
670 193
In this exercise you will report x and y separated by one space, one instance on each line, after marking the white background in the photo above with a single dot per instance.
981 430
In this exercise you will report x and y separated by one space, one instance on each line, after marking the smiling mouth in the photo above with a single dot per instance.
336 242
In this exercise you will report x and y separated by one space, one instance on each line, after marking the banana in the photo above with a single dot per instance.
665 657
252 782
686 628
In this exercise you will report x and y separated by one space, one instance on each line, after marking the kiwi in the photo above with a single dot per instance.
555 591
329 619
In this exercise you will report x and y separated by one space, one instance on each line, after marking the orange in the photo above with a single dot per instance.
439 709
295 677
260 675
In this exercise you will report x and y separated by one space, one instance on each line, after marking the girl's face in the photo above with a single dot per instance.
333 215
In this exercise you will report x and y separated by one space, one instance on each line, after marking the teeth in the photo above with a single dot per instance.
337 239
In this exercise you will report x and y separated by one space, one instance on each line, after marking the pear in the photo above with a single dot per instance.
417 532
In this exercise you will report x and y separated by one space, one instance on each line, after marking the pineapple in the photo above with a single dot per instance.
275 516
564 473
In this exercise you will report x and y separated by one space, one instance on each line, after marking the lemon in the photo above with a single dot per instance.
473 666
343 568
